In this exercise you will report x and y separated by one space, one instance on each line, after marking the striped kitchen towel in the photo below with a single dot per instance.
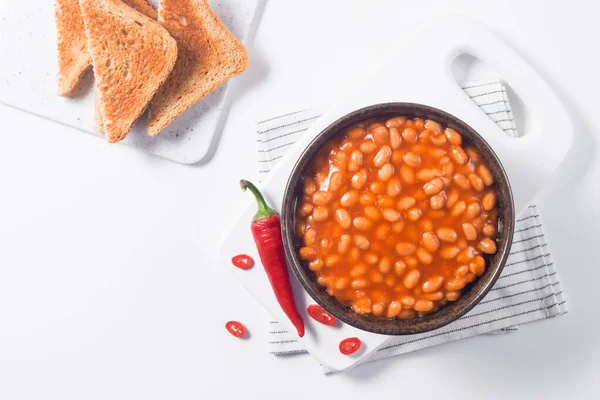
528 289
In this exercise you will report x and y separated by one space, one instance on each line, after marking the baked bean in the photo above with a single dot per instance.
358 270
389 280
399 267
469 231
487 246
405 203
433 284
383 156
411 278
424 256
384 202
325 245
485 174
453 136
397 157
395 138
489 201
461 181
342 216
473 210
448 170
359 179
434 186
449 252
359 283
362 305
406 314
354 255
356 161
382 231
341 283
398 227
372 213
461 243
305 209
320 213
368 147
322 281
308 253
378 309
367 198
407 174
394 187
405 248
412 160
436 296
410 135
438 201
380 134
489 230
470 277
394 309
453 296
385 265
413 214
437 153
301 227
386 172
419 124
376 277
362 223
396 122
476 182
426 225
447 235
430 241
321 198
477 268
426 175
344 244
349 199
407 301
357 132
433 126
456 284
458 208
310 186
438 140
423 305
452 198
361 242
341 160
473 154
310 237
458 155
371 258
391 215
316 265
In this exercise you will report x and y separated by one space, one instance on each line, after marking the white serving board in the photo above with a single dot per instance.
28 80
529 160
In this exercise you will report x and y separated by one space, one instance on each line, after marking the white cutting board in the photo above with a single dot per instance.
28 80
529 160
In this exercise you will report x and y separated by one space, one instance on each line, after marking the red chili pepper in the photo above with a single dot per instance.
266 229
350 345
236 328
319 314
243 261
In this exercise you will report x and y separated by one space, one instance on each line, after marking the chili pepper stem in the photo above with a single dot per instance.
264 211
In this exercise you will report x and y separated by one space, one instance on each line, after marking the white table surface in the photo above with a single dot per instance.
108 288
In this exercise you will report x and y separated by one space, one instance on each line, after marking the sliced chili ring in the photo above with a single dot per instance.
349 345
236 328
243 261
319 314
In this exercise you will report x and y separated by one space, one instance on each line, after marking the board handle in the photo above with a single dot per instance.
549 136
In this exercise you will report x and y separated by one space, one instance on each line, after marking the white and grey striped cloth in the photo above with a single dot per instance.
528 289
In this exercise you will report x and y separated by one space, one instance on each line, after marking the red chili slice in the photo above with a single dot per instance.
243 261
350 345
236 328
319 314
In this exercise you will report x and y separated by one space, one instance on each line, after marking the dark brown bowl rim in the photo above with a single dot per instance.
472 294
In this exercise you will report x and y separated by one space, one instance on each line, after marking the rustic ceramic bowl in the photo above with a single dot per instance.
471 294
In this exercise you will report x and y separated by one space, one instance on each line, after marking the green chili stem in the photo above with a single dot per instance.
264 211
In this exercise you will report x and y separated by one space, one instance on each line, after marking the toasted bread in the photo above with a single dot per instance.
208 55
146 8
73 57
132 57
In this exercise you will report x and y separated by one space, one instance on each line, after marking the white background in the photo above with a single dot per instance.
108 288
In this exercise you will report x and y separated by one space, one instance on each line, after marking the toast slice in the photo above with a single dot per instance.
146 8
73 56
132 57
208 55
